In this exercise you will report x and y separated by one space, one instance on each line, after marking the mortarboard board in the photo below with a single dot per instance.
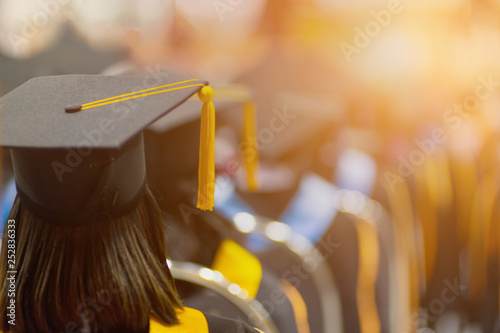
83 162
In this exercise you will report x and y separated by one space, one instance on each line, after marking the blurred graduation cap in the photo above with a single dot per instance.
77 149
298 95
70 54
227 97
286 130
231 98
314 112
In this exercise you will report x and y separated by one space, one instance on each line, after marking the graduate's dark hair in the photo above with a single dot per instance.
107 276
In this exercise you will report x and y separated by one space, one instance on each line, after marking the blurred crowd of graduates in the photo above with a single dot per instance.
396 100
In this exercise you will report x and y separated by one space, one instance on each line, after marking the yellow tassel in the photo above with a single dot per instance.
249 146
206 168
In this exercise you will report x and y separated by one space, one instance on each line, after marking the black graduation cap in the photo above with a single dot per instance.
76 140
227 97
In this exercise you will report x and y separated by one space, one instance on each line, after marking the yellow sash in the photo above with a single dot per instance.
190 320
238 266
